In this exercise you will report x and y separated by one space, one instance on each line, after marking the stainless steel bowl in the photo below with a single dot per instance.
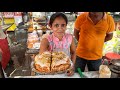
115 62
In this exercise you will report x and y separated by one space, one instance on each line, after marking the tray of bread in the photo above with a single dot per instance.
51 63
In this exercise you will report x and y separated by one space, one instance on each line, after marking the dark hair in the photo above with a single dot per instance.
55 15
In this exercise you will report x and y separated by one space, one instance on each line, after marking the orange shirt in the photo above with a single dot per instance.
91 37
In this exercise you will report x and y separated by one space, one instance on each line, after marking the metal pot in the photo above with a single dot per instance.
115 62
115 68
116 65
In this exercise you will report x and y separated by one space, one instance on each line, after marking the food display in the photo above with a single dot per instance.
39 26
104 71
55 62
33 41
39 20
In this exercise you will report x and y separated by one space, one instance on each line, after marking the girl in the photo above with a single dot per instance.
59 40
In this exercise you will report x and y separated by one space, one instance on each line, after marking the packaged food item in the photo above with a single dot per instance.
36 45
104 71
48 32
38 15
40 32
33 41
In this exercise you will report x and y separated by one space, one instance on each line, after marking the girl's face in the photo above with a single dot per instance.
59 26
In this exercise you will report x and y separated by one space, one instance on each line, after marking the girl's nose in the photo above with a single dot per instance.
60 27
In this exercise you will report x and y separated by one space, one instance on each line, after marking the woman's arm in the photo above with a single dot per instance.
44 45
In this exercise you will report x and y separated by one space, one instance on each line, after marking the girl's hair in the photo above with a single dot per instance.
55 15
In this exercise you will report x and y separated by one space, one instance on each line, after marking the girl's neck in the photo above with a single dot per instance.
58 36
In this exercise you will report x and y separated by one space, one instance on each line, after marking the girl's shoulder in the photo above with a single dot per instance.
68 35
49 37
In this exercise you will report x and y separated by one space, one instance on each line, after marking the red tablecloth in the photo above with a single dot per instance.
5 52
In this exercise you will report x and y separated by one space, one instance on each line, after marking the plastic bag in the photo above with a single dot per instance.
104 71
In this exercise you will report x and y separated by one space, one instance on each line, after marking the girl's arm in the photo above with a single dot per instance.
73 51
70 71
44 45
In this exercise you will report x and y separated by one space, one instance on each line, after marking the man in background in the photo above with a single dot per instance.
91 30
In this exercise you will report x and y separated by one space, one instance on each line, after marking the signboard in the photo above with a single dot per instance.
8 14
18 17
17 13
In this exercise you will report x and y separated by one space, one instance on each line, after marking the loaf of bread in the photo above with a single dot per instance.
54 62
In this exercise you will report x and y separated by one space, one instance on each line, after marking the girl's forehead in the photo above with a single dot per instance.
59 18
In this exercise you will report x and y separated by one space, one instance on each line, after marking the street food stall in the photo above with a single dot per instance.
31 66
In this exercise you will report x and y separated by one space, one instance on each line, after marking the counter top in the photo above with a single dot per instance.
90 74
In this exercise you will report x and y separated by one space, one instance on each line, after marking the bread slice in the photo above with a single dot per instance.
42 62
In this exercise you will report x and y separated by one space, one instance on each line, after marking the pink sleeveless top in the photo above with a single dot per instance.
63 45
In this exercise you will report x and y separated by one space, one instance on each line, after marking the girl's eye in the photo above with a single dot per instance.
63 25
56 25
